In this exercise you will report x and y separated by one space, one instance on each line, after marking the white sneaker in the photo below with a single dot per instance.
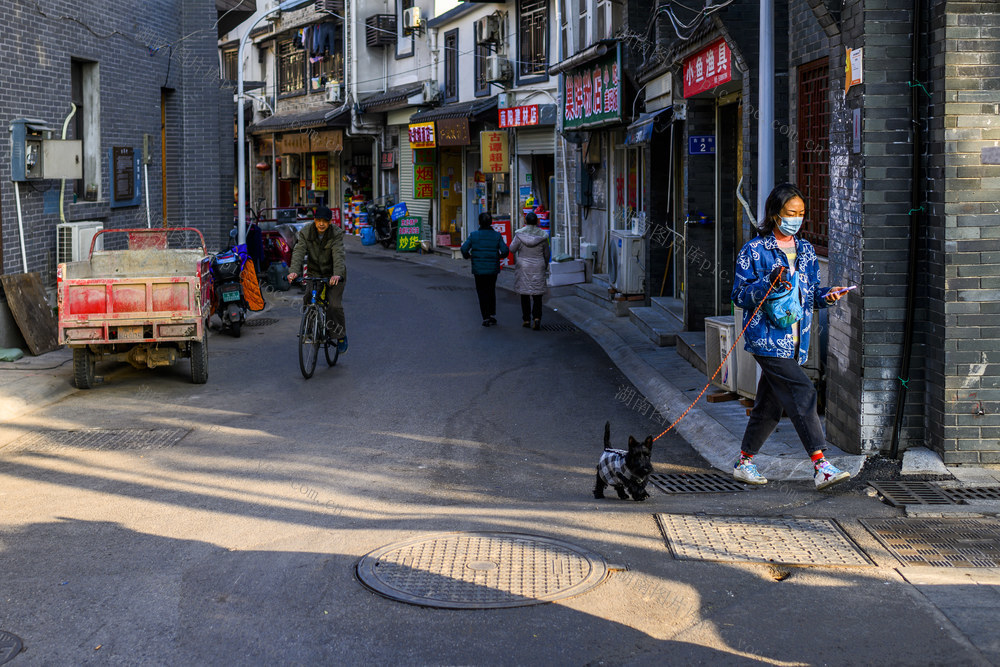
828 474
748 473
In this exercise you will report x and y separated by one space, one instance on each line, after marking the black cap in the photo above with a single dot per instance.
323 213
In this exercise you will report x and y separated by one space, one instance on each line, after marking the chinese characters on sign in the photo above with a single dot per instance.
494 149
453 132
519 116
321 172
593 94
408 235
701 145
123 168
423 181
422 135
388 160
710 67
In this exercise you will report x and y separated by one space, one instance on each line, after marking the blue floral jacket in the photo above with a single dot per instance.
753 267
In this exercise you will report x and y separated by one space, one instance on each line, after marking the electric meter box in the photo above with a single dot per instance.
35 157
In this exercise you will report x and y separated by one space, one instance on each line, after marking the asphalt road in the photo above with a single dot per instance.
238 543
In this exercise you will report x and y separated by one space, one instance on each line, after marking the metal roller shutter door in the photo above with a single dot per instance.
535 142
420 207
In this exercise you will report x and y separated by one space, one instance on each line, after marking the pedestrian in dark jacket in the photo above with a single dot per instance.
324 244
531 245
486 248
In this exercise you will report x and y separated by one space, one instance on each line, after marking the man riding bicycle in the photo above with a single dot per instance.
324 244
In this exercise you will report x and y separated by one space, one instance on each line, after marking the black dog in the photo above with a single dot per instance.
627 471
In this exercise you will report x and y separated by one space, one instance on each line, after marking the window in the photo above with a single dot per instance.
482 87
85 87
608 19
451 65
566 39
582 38
325 53
814 150
291 68
229 71
533 20
404 43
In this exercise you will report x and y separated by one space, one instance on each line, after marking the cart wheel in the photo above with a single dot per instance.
199 360
83 368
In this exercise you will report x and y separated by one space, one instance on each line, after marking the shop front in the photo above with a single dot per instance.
533 129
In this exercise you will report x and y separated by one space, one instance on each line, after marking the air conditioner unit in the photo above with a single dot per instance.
720 332
487 30
264 105
498 69
73 240
412 21
628 274
333 95
289 166
380 30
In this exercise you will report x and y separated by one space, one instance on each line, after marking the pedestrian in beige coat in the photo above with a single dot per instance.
531 246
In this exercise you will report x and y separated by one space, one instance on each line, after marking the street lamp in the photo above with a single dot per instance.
241 207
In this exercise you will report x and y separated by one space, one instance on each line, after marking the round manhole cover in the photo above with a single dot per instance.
10 646
481 570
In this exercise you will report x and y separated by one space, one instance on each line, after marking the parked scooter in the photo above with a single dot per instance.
230 302
381 222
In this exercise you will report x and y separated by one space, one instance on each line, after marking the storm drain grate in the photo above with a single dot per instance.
450 288
261 322
972 493
99 439
939 542
10 646
479 570
898 494
567 328
696 482
786 540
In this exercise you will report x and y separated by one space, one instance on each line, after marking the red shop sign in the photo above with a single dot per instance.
710 67
519 116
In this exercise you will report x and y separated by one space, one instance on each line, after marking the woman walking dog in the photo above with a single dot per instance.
778 334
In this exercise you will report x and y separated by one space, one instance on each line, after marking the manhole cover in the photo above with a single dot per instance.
568 328
972 493
912 493
99 439
450 288
481 570
695 483
939 542
261 322
790 541
10 646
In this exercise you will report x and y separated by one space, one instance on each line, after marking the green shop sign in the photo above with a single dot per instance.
592 94
408 236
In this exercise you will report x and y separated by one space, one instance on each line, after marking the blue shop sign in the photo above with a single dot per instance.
704 145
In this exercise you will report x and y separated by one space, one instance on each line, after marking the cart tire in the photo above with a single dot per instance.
199 360
83 368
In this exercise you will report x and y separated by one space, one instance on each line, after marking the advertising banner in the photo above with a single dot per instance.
422 135
408 236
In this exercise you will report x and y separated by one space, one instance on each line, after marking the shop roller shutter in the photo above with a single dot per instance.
535 142
417 207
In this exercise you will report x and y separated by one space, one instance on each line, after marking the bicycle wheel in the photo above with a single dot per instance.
309 340
331 356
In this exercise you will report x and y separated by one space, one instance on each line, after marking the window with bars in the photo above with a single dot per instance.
291 68
533 18
482 86
814 150
451 65
229 72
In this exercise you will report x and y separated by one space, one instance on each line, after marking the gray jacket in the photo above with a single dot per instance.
532 247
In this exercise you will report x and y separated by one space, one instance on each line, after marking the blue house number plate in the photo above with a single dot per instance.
701 145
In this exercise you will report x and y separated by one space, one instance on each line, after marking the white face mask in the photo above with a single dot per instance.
790 226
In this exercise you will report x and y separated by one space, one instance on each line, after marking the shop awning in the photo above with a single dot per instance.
641 131
393 98
296 120
478 110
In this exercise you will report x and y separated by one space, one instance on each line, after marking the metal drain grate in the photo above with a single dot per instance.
785 540
567 328
481 570
898 494
450 288
10 646
261 322
99 439
972 493
695 483
939 542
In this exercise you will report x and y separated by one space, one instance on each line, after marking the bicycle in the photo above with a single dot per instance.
312 330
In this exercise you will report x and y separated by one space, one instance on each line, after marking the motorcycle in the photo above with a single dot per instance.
229 300
381 222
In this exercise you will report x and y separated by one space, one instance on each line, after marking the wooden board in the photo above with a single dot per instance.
722 397
26 299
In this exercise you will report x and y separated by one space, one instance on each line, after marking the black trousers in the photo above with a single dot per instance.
783 386
531 307
486 289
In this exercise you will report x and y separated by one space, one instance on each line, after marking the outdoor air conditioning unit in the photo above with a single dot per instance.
73 240
412 22
498 69
380 30
487 30
333 95
720 332
289 166
336 6
628 273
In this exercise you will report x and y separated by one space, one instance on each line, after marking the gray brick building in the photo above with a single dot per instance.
137 71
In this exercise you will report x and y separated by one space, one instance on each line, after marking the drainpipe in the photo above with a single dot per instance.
62 187
765 124
916 209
